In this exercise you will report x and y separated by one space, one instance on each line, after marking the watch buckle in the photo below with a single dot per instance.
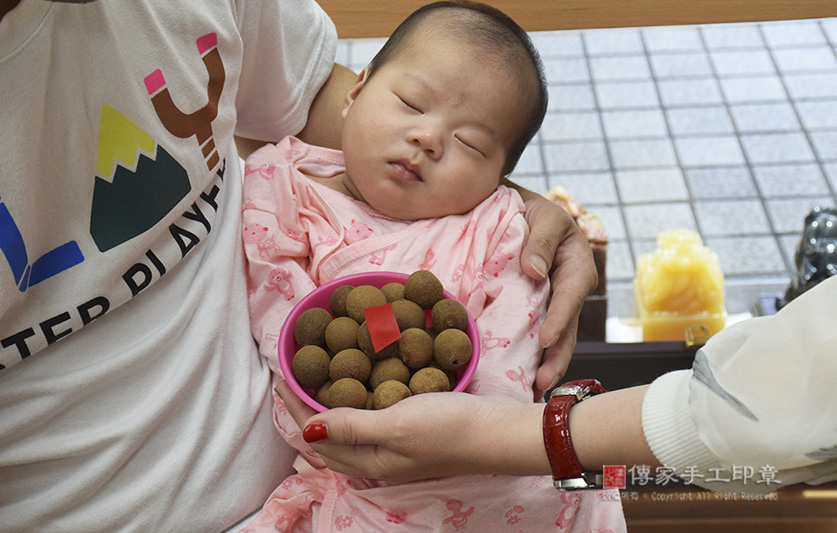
588 480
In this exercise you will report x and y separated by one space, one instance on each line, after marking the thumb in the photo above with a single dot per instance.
548 225
342 425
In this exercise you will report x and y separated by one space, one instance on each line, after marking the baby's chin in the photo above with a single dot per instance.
397 214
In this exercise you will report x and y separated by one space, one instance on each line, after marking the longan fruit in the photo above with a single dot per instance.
408 314
347 392
311 325
341 334
362 297
310 366
321 395
389 393
429 379
393 291
415 348
337 302
424 288
350 363
390 368
452 349
448 314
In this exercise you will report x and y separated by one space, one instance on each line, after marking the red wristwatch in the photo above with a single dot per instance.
567 473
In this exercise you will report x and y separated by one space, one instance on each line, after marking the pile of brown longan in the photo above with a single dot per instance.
337 359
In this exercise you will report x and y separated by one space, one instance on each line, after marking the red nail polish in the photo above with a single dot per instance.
315 432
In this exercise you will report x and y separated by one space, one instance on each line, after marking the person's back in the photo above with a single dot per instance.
131 393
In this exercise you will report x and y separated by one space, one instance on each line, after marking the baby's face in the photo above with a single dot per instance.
428 134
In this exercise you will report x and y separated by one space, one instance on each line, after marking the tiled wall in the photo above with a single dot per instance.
729 130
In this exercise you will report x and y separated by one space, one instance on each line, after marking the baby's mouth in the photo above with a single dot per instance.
406 171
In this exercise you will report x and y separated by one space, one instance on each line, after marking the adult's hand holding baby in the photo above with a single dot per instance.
557 246
427 435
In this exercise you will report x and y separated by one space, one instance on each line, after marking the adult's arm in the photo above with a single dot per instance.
445 434
325 123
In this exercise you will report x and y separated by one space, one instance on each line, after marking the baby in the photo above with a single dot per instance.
431 128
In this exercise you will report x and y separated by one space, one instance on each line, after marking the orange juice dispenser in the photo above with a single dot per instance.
679 289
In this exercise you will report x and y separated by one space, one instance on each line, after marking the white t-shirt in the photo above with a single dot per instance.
132 396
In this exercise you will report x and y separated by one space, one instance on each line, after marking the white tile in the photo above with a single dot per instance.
571 126
788 215
749 255
732 217
818 114
742 62
631 154
646 221
709 151
786 33
591 189
678 38
620 68
825 143
575 157
777 148
803 86
689 92
736 35
704 120
571 97
558 43
721 182
611 218
566 70
613 41
783 181
793 60
753 89
627 95
829 26
681 65
830 170
634 124
772 117
530 161
619 266
652 185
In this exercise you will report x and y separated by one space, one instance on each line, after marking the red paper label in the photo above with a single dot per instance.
383 328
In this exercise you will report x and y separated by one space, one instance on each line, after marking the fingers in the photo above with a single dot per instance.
573 279
360 443
548 225
298 409
556 359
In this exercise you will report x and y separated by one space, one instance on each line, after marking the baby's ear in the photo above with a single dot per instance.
352 94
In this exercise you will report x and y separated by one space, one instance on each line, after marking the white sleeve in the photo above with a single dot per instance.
289 50
759 405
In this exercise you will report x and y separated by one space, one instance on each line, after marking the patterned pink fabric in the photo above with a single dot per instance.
299 234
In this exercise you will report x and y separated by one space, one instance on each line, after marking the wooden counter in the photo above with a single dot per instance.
373 18
812 509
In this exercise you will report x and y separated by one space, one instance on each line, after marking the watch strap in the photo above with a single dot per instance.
566 468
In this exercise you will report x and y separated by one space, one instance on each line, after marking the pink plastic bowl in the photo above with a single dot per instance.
321 297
